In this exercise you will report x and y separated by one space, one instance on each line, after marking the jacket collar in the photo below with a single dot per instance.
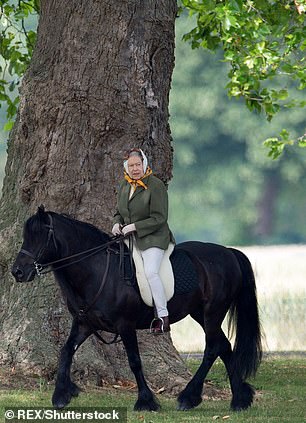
137 190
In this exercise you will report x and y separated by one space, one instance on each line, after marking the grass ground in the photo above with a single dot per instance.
280 385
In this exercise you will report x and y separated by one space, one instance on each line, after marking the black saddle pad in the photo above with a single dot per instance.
185 276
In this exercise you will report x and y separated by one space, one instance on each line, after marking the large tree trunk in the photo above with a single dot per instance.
97 85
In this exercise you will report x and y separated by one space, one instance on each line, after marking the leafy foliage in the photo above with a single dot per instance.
262 40
222 175
16 46
276 145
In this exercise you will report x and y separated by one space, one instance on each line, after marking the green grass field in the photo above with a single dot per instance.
280 385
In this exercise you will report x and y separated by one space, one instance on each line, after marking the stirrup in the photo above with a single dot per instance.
155 320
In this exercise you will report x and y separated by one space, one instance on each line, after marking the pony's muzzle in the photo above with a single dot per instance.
18 273
21 276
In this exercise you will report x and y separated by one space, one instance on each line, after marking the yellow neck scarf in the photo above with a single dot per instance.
138 182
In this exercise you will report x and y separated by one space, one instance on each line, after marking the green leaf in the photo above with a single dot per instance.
277 145
236 5
9 125
12 86
249 61
208 5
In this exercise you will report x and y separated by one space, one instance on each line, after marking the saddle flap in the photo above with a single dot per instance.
165 273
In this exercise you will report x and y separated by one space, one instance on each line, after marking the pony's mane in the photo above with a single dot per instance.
80 226
39 220
34 223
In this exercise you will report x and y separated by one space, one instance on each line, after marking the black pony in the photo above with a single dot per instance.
88 266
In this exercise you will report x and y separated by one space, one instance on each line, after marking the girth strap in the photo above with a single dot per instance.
83 312
113 341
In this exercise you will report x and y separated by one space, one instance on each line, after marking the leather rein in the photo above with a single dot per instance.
44 268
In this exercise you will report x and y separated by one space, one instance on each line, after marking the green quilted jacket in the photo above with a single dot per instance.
148 210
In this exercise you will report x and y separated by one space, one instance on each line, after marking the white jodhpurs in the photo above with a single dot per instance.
152 258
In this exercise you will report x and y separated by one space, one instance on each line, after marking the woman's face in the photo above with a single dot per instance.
135 167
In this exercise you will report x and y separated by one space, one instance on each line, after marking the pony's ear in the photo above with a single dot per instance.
41 210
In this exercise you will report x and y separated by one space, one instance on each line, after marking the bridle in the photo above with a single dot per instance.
43 268
39 267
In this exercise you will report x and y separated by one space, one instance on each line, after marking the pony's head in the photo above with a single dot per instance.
38 245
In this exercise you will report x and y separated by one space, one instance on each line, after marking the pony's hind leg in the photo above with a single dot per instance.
191 396
217 346
242 392
65 389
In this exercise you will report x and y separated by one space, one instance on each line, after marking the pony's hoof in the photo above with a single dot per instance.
62 397
240 407
183 407
60 401
149 405
188 403
74 390
243 398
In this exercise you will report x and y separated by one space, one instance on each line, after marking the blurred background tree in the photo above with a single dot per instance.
225 188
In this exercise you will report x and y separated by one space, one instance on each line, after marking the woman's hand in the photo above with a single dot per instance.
117 229
128 229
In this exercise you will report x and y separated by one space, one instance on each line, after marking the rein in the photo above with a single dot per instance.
44 268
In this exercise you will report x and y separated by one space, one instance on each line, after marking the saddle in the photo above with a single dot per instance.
177 273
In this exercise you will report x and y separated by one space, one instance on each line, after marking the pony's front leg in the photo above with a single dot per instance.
64 387
146 399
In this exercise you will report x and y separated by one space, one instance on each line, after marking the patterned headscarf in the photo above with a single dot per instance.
147 170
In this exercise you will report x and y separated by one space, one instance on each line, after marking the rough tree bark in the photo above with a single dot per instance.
98 84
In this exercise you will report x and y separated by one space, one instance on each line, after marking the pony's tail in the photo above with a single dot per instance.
243 315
